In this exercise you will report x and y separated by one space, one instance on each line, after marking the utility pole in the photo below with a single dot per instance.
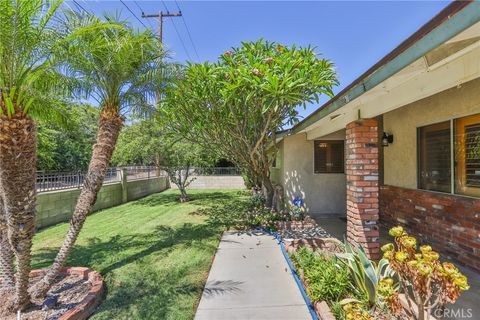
160 17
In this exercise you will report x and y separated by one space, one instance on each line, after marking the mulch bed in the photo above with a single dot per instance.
76 291
306 229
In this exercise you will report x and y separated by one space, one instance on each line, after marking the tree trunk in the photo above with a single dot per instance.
6 254
268 191
109 128
183 195
18 151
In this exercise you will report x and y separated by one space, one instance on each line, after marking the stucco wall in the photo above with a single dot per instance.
323 193
400 158
57 206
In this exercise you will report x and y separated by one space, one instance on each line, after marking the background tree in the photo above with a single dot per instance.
117 67
68 147
179 160
139 143
238 103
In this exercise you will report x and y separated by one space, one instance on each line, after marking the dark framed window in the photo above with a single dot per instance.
467 155
439 157
329 156
434 143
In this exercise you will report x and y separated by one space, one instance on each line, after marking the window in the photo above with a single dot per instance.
437 161
328 156
434 153
467 155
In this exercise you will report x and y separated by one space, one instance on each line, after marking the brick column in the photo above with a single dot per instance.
362 185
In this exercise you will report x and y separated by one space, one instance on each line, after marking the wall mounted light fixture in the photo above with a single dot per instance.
387 139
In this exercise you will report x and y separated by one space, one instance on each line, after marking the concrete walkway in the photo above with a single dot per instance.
250 279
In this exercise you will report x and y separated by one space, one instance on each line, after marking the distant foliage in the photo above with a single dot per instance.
67 147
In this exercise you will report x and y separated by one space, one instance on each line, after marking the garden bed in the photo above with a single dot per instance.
75 295
320 279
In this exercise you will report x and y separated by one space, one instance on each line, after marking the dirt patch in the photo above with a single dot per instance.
67 296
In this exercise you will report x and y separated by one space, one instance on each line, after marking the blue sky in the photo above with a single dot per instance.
353 34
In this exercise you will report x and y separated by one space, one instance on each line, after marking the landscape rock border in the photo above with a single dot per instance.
87 306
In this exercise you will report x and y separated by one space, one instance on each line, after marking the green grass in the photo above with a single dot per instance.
154 253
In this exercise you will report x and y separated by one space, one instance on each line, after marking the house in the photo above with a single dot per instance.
401 144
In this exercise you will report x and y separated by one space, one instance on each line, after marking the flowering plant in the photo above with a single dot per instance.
296 209
422 277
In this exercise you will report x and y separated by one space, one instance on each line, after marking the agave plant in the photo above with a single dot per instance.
365 273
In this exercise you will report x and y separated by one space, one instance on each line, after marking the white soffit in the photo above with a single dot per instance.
416 81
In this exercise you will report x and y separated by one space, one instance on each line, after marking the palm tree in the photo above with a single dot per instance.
6 255
118 68
27 36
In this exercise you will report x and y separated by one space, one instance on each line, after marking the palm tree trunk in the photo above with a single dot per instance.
6 254
109 128
18 151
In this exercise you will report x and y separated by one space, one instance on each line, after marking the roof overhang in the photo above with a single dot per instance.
442 53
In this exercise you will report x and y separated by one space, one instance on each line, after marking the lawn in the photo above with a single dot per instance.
154 253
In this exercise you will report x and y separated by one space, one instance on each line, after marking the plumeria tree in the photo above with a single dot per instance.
237 104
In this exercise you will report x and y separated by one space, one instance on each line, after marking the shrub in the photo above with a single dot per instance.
326 281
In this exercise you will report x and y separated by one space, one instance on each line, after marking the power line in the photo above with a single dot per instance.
143 13
178 33
188 32
81 7
133 14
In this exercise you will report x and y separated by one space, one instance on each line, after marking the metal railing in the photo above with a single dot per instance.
144 172
57 180
217 171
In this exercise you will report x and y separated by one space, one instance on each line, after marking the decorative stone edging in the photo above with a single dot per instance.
328 244
86 307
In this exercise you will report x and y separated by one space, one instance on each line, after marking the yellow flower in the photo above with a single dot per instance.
412 264
461 282
424 249
387 247
409 242
401 256
431 256
449 268
388 255
424 269
396 231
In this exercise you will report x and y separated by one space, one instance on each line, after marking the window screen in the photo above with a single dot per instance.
329 156
435 157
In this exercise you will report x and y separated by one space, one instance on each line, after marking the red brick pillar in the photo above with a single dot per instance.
362 185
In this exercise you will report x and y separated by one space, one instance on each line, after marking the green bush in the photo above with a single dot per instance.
326 281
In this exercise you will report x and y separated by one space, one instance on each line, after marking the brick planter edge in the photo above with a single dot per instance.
87 306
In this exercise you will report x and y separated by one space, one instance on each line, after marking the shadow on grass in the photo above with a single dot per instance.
202 198
141 291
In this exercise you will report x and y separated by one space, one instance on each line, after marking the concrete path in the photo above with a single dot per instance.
250 279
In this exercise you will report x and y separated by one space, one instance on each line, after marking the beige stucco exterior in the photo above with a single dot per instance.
400 158
323 193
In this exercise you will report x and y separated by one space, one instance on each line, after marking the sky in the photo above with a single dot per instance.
353 34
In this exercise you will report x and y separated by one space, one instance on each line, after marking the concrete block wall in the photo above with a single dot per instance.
58 206
216 182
